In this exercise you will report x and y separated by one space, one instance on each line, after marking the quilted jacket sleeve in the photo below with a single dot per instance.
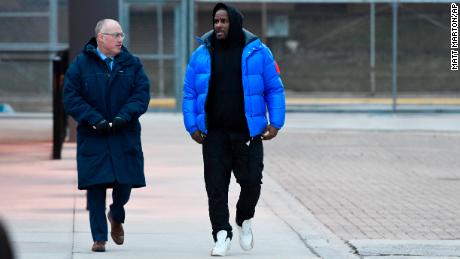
189 100
273 91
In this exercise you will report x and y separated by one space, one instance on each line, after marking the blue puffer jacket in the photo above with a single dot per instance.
262 87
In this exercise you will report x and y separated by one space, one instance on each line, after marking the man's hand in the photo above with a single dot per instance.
118 124
270 132
198 137
102 127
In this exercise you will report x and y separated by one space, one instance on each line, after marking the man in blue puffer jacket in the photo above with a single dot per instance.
231 82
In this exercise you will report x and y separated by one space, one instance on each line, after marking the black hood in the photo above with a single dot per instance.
235 33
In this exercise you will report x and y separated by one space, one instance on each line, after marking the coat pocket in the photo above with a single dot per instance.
135 158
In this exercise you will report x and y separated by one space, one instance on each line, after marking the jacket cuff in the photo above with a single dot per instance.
93 121
124 116
192 130
277 126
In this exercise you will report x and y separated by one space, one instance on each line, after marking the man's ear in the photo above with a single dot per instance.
99 37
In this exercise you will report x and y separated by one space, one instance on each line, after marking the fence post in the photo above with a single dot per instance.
60 64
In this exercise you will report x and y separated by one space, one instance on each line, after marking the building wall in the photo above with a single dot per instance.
144 36
328 46
25 74
325 50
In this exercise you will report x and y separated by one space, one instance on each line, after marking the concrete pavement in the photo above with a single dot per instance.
310 174
385 183
168 219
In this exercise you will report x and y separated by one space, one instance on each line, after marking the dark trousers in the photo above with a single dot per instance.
96 206
224 152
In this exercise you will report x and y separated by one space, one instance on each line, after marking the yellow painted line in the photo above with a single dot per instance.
171 102
434 101
417 101
162 103
335 100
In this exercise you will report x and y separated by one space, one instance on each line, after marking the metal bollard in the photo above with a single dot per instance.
60 64
6 250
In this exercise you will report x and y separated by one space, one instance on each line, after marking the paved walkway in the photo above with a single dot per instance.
168 219
380 185
388 184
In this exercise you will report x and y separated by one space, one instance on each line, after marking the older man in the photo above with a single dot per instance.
106 91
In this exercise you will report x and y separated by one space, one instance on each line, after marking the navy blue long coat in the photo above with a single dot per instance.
93 93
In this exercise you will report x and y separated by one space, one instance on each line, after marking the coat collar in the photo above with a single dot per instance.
206 38
123 58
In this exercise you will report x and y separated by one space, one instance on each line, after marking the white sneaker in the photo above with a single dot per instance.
246 237
222 244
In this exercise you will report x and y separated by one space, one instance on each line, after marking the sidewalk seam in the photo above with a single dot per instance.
73 218
316 236
304 240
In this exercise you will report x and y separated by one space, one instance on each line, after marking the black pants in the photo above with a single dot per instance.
224 152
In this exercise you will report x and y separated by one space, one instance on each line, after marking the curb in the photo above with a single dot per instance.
321 241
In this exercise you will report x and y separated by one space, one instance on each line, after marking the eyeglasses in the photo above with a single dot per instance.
116 35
